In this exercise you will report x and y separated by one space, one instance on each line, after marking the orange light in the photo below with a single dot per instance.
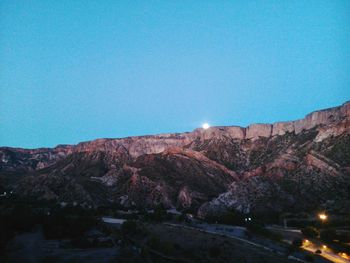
344 255
323 216
324 246
306 243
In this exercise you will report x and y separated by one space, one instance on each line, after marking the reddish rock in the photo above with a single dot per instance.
281 128
258 167
258 130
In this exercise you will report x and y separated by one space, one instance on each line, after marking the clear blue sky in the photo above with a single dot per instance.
72 71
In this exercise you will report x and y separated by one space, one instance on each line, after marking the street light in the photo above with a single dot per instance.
306 243
344 255
323 217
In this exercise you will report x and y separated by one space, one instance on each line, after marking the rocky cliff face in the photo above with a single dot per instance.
17 159
250 169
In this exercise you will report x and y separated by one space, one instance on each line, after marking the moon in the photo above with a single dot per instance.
205 126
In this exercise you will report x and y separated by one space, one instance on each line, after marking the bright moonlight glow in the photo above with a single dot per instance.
205 126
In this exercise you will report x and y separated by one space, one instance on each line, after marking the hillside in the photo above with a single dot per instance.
286 166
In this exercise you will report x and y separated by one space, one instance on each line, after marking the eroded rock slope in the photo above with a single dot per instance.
297 165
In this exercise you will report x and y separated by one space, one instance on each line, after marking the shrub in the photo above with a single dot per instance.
189 253
62 225
23 218
177 246
344 237
232 217
255 228
297 242
275 236
328 235
214 251
309 258
157 216
310 232
154 242
167 248
7 231
261 230
129 227
160 214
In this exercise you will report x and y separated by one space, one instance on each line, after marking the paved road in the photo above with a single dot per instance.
291 234
326 253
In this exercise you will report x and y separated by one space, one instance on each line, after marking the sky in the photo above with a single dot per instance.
72 71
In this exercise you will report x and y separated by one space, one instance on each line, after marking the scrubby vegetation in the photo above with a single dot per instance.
297 243
69 222
258 229
158 215
19 216
309 258
340 150
14 219
328 235
310 232
230 217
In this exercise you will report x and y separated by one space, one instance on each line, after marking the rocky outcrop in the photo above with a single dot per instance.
17 159
263 166
322 117
281 128
258 130
322 163
218 132
325 117
329 122
333 130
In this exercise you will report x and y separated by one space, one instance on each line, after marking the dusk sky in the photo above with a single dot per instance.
73 71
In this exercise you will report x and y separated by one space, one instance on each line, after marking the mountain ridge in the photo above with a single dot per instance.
279 126
208 170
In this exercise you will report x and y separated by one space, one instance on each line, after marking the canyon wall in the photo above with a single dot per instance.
325 117
329 122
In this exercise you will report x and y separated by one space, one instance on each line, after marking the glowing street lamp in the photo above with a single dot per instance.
344 255
306 243
323 217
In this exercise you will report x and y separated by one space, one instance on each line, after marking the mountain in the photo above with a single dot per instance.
299 165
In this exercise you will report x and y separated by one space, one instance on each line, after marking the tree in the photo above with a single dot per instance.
328 235
297 242
214 251
309 258
154 242
310 232
129 227
232 217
